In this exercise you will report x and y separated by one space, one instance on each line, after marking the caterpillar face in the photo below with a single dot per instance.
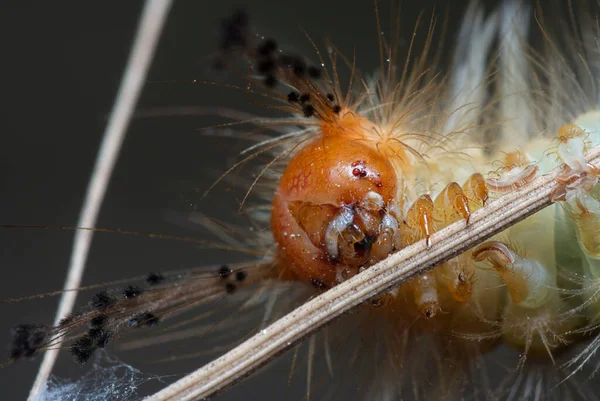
334 209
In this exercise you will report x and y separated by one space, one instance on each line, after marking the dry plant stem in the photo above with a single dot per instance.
391 272
148 33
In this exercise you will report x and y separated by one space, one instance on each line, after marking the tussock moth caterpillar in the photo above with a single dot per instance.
432 150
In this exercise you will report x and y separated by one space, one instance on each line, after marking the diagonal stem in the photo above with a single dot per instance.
398 268
151 22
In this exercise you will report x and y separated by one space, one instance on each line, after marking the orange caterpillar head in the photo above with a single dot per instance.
334 209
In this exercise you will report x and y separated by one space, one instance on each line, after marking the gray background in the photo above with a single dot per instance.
60 66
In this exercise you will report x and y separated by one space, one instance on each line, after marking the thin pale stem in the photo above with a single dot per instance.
146 39
391 272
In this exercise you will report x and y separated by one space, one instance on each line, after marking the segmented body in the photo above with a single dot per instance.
336 212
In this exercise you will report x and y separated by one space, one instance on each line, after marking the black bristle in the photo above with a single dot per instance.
27 340
224 271
265 66
270 81
143 319
337 108
285 60
330 97
304 98
67 320
240 275
234 30
299 67
240 17
219 64
132 291
100 336
314 72
98 321
83 348
308 111
293 97
267 47
230 288
102 301
155 278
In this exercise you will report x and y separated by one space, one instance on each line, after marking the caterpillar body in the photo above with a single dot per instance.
357 174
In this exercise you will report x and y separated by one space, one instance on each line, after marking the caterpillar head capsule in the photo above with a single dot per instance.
334 210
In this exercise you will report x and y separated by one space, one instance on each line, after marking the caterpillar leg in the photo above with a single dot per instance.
418 221
459 277
536 318
426 295
476 191
418 224
451 205
516 173
527 281
587 219
580 177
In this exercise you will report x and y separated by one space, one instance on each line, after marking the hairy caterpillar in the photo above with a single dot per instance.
427 304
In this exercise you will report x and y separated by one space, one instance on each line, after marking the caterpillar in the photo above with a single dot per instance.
352 175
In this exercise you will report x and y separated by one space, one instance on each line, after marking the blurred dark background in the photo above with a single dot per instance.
61 64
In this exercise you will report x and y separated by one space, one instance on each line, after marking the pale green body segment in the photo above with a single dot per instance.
557 250
541 274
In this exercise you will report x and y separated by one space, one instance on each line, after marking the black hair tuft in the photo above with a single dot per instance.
143 319
98 321
230 288
27 340
154 278
102 301
132 291
224 271
240 275
83 348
